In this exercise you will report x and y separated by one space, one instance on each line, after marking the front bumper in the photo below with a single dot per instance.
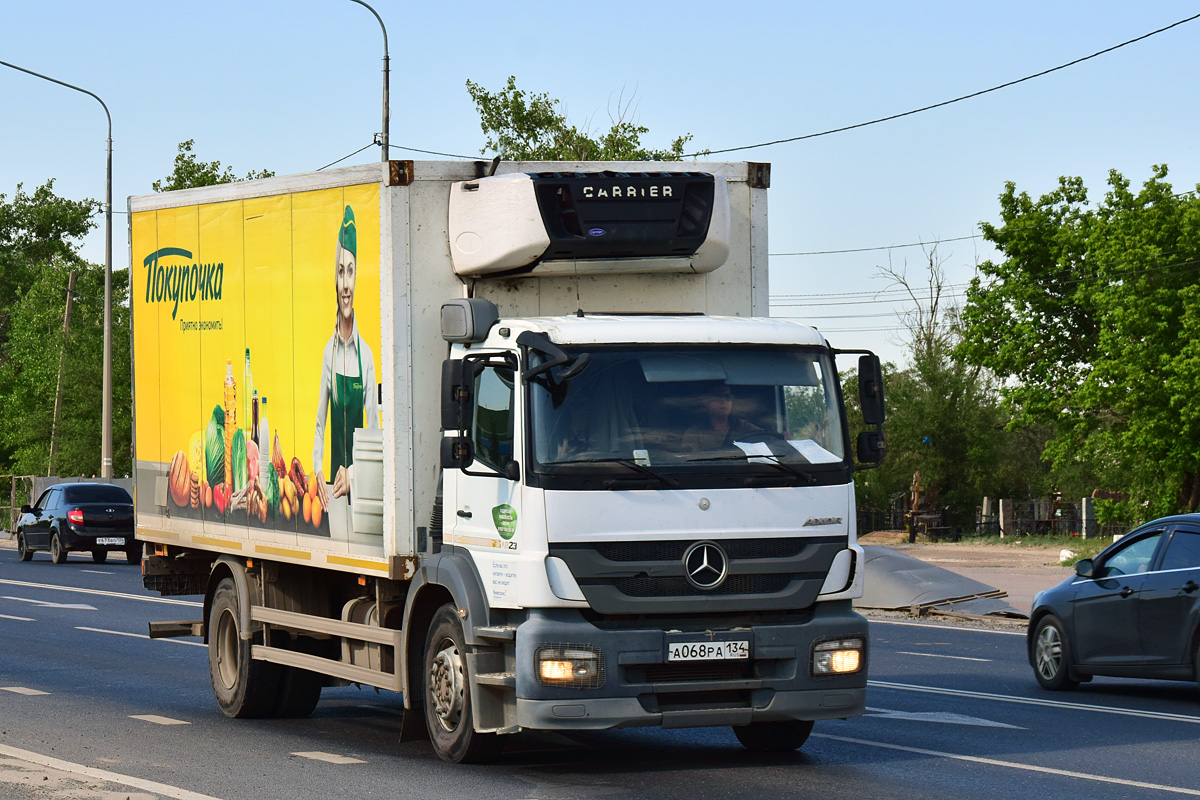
642 689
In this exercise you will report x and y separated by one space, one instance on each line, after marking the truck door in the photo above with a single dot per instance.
485 509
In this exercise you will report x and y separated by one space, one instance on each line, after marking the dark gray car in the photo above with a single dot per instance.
96 517
1133 611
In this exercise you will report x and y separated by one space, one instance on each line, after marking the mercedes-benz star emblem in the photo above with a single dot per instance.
705 565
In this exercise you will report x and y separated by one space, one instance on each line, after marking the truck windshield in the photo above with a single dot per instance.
637 413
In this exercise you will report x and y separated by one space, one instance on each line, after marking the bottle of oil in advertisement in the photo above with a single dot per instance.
230 420
247 391
264 439
254 417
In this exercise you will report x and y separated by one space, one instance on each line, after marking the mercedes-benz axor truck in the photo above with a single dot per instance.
518 441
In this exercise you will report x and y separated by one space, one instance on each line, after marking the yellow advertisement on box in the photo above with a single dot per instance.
256 326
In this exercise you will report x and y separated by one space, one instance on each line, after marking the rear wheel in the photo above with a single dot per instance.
58 553
1051 656
777 737
99 556
133 556
448 712
23 551
243 687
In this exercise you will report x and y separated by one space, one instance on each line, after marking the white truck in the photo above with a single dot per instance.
565 473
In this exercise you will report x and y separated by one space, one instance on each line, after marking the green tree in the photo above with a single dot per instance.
532 127
190 172
1091 319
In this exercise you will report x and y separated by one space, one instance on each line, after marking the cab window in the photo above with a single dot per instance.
492 426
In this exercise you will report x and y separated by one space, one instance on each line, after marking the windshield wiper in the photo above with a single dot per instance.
623 461
771 458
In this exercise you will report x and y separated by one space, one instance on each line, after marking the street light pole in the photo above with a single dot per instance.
386 73
106 404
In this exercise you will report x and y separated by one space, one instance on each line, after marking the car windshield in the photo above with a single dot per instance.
98 493
742 408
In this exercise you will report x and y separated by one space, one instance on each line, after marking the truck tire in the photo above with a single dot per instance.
243 687
774 737
23 551
1051 655
299 689
447 695
58 553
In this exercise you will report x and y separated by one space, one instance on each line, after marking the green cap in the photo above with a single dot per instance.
347 237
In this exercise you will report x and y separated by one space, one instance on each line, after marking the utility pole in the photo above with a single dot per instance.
58 392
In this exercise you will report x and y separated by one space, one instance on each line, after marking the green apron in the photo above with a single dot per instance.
346 415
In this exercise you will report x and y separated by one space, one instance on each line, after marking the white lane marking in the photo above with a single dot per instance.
97 572
942 627
942 717
47 604
138 636
101 592
21 619
993 762
1032 701
940 655
21 690
317 755
157 720
163 789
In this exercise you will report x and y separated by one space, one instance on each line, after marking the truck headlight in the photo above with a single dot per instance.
838 656
577 666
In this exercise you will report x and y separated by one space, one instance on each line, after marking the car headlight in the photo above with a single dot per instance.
838 656
576 666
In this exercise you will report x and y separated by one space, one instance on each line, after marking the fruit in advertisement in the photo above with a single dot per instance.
296 473
316 512
214 447
206 491
307 508
287 509
221 496
295 506
179 480
238 460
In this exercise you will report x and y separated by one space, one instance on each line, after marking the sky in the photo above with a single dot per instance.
293 86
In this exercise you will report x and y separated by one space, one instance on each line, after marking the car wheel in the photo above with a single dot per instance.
448 712
243 687
23 551
58 553
99 556
777 737
133 556
1051 656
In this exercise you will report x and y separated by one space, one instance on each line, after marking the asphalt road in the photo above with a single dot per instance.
91 709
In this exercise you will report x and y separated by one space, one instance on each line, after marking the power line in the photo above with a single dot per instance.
881 247
949 102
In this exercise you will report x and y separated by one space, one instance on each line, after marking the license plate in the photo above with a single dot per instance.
110 540
707 651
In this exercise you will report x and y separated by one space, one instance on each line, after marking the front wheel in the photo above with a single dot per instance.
448 712
58 553
1051 656
23 551
774 737
243 687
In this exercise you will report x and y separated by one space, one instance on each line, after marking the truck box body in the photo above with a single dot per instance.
220 269
533 454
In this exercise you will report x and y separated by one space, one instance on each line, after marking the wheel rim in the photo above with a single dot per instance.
446 685
226 642
1049 653
21 545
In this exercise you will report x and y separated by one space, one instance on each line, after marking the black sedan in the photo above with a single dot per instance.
92 517
1133 611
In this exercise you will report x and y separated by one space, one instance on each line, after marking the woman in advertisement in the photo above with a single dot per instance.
347 390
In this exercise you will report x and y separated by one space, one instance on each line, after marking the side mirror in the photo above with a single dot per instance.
871 447
457 452
457 382
870 389
512 471
26 509
1084 568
